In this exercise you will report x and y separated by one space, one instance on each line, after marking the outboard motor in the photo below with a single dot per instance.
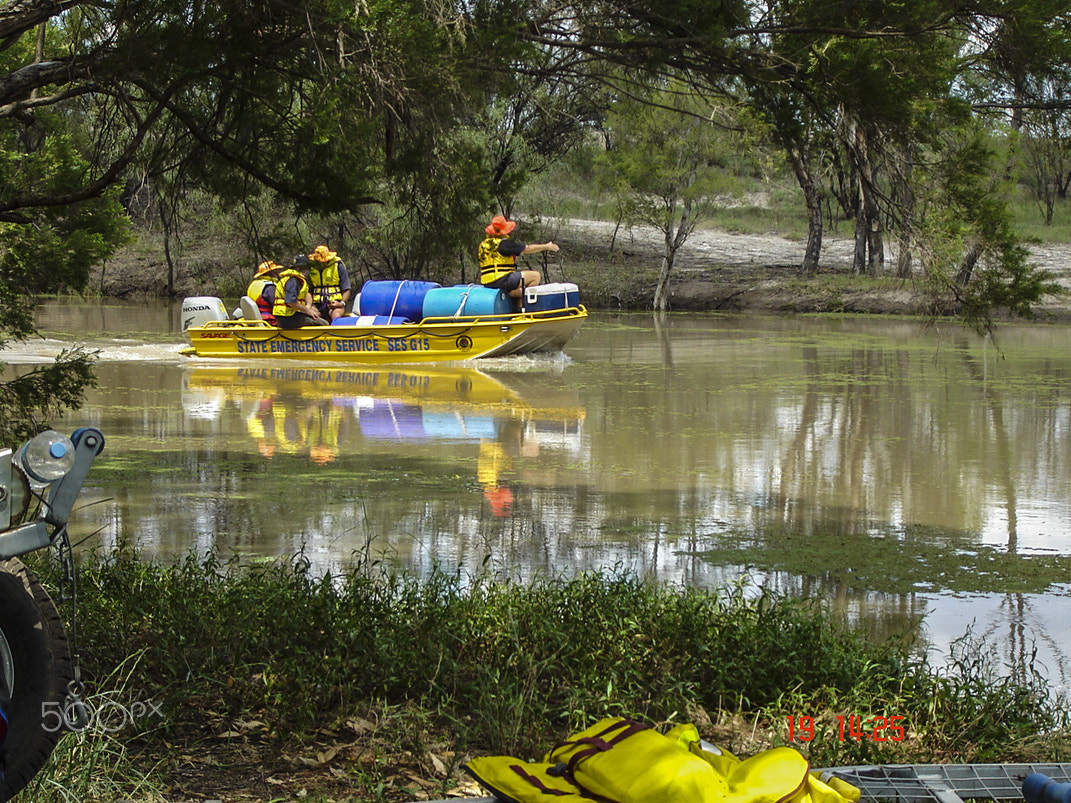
197 311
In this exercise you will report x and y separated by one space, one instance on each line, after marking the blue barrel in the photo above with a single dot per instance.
392 420
403 299
465 300
454 426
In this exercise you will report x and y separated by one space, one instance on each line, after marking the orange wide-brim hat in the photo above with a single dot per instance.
322 253
266 267
499 225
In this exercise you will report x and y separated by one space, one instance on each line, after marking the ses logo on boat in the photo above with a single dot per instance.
338 346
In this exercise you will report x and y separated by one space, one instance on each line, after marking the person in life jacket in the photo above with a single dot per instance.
262 289
293 306
498 258
329 282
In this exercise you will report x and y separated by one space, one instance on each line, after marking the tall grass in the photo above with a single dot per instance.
94 762
496 665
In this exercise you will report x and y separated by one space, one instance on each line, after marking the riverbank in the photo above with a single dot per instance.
716 271
730 272
263 683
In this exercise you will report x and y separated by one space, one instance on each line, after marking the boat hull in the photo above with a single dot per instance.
431 340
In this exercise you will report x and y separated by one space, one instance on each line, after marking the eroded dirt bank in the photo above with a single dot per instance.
723 271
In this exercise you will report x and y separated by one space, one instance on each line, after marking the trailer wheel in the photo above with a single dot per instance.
35 670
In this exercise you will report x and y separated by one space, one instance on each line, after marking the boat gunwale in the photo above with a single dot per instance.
349 331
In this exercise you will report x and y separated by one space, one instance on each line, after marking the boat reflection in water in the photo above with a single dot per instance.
319 413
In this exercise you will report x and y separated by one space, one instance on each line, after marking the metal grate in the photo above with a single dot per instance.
944 783
924 783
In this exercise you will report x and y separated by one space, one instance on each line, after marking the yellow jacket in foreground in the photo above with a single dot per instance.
623 761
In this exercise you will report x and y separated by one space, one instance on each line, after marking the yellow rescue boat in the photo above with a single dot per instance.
467 333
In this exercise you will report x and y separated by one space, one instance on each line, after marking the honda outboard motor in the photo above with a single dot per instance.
199 310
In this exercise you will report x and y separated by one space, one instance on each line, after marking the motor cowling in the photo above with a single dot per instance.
199 310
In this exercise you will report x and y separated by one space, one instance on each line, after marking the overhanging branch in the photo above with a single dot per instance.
94 189
19 16
20 84
217 147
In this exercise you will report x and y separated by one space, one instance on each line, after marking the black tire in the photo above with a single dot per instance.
35 667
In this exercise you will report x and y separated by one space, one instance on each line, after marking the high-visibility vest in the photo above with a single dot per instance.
256 292
325 280
281 309
494 265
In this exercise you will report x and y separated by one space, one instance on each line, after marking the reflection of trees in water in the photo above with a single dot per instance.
999 435
857 423
1023 634
1023 631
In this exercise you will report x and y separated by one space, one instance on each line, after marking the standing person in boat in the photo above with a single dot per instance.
262 289
329 282
293 303
498 258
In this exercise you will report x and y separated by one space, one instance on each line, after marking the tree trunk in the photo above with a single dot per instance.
812 197
906 232
165 220
661 293
869 254
869 226
859 255
966 267
674 241
875 242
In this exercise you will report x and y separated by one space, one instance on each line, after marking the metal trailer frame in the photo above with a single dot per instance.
943 783
923 783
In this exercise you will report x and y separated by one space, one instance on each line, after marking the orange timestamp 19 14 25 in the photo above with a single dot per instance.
875 728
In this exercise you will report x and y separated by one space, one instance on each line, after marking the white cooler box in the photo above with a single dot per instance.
544 297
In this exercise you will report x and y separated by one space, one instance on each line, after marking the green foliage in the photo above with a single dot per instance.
664 165
53 252
424 228
975 262
64 241
510 667
666 151
95 764
32 400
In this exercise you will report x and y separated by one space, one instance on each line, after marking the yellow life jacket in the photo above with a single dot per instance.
256 287
291 428
281 309
492 264
623 761
325 280
491 460
256 292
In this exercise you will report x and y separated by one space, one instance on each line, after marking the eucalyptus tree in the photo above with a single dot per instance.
1045 143
882 81
1020 68
665 159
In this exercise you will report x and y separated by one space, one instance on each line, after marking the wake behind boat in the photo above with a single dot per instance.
404 321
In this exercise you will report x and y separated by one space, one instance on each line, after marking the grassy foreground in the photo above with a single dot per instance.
258 682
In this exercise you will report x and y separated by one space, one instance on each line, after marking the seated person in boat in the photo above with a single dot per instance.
262 289
329 282
293 306
498 258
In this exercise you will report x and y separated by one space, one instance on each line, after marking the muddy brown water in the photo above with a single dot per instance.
897 470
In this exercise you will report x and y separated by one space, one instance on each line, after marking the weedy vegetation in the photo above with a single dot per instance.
458 664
